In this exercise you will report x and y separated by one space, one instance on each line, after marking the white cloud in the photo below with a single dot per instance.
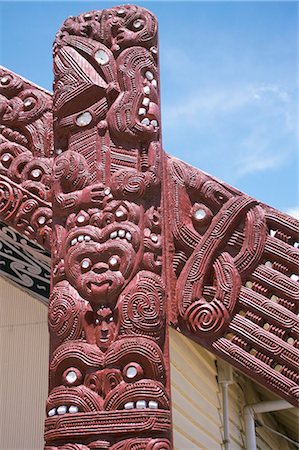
294 212
261 92
255 124
257 163
206 105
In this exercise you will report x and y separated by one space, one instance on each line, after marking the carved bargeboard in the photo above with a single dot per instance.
26 147
109 384
234 277
229 262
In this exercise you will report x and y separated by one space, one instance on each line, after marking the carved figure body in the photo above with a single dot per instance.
107 308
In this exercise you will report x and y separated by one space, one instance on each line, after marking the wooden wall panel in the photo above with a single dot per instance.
197 402
23 369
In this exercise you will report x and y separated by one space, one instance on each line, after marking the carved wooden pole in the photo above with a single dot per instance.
109 376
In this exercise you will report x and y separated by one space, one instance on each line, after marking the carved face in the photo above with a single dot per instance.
128 25
105 327
83 379
101 327
99 263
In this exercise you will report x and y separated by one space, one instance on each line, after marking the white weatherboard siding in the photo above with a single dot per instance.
196 395
24 346
197 402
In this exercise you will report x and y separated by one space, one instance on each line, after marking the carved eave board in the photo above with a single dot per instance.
26 146
234 276
223 266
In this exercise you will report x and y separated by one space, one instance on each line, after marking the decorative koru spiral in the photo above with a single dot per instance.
66 310
10 199
207 308
142 308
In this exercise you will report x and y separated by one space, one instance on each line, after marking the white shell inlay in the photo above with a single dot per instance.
41 220
294 277
152 404
137 24
129 405
101 57
28 103
4 80
131 372
71 376
146 101
128 236
85 263
73 409
199 214
113 261
84 119
61 410
149 75
141 404
6 157
36 173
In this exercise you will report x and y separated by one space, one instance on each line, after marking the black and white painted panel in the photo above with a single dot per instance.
24 263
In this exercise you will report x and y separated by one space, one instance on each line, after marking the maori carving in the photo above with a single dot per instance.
26 145
234 277
226 264
109 385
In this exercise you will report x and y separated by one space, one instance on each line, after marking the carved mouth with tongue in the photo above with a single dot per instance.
100 289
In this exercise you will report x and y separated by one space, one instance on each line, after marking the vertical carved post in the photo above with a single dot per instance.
109 382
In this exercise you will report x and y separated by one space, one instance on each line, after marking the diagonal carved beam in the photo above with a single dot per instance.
26 147
234 276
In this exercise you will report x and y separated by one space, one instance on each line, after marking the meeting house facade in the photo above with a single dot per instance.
144 303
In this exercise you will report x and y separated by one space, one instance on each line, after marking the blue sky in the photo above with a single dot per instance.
228 76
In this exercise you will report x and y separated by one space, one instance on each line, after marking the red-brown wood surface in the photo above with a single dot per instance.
223 266
234 276
26 143
109 382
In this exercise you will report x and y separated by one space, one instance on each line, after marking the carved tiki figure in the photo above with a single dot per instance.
108 366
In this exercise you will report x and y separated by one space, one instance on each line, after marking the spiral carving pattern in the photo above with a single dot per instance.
142 309
73 169
10 199
65 313
206 318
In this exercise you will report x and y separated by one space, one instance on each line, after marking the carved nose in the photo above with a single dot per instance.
104 327
100 268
